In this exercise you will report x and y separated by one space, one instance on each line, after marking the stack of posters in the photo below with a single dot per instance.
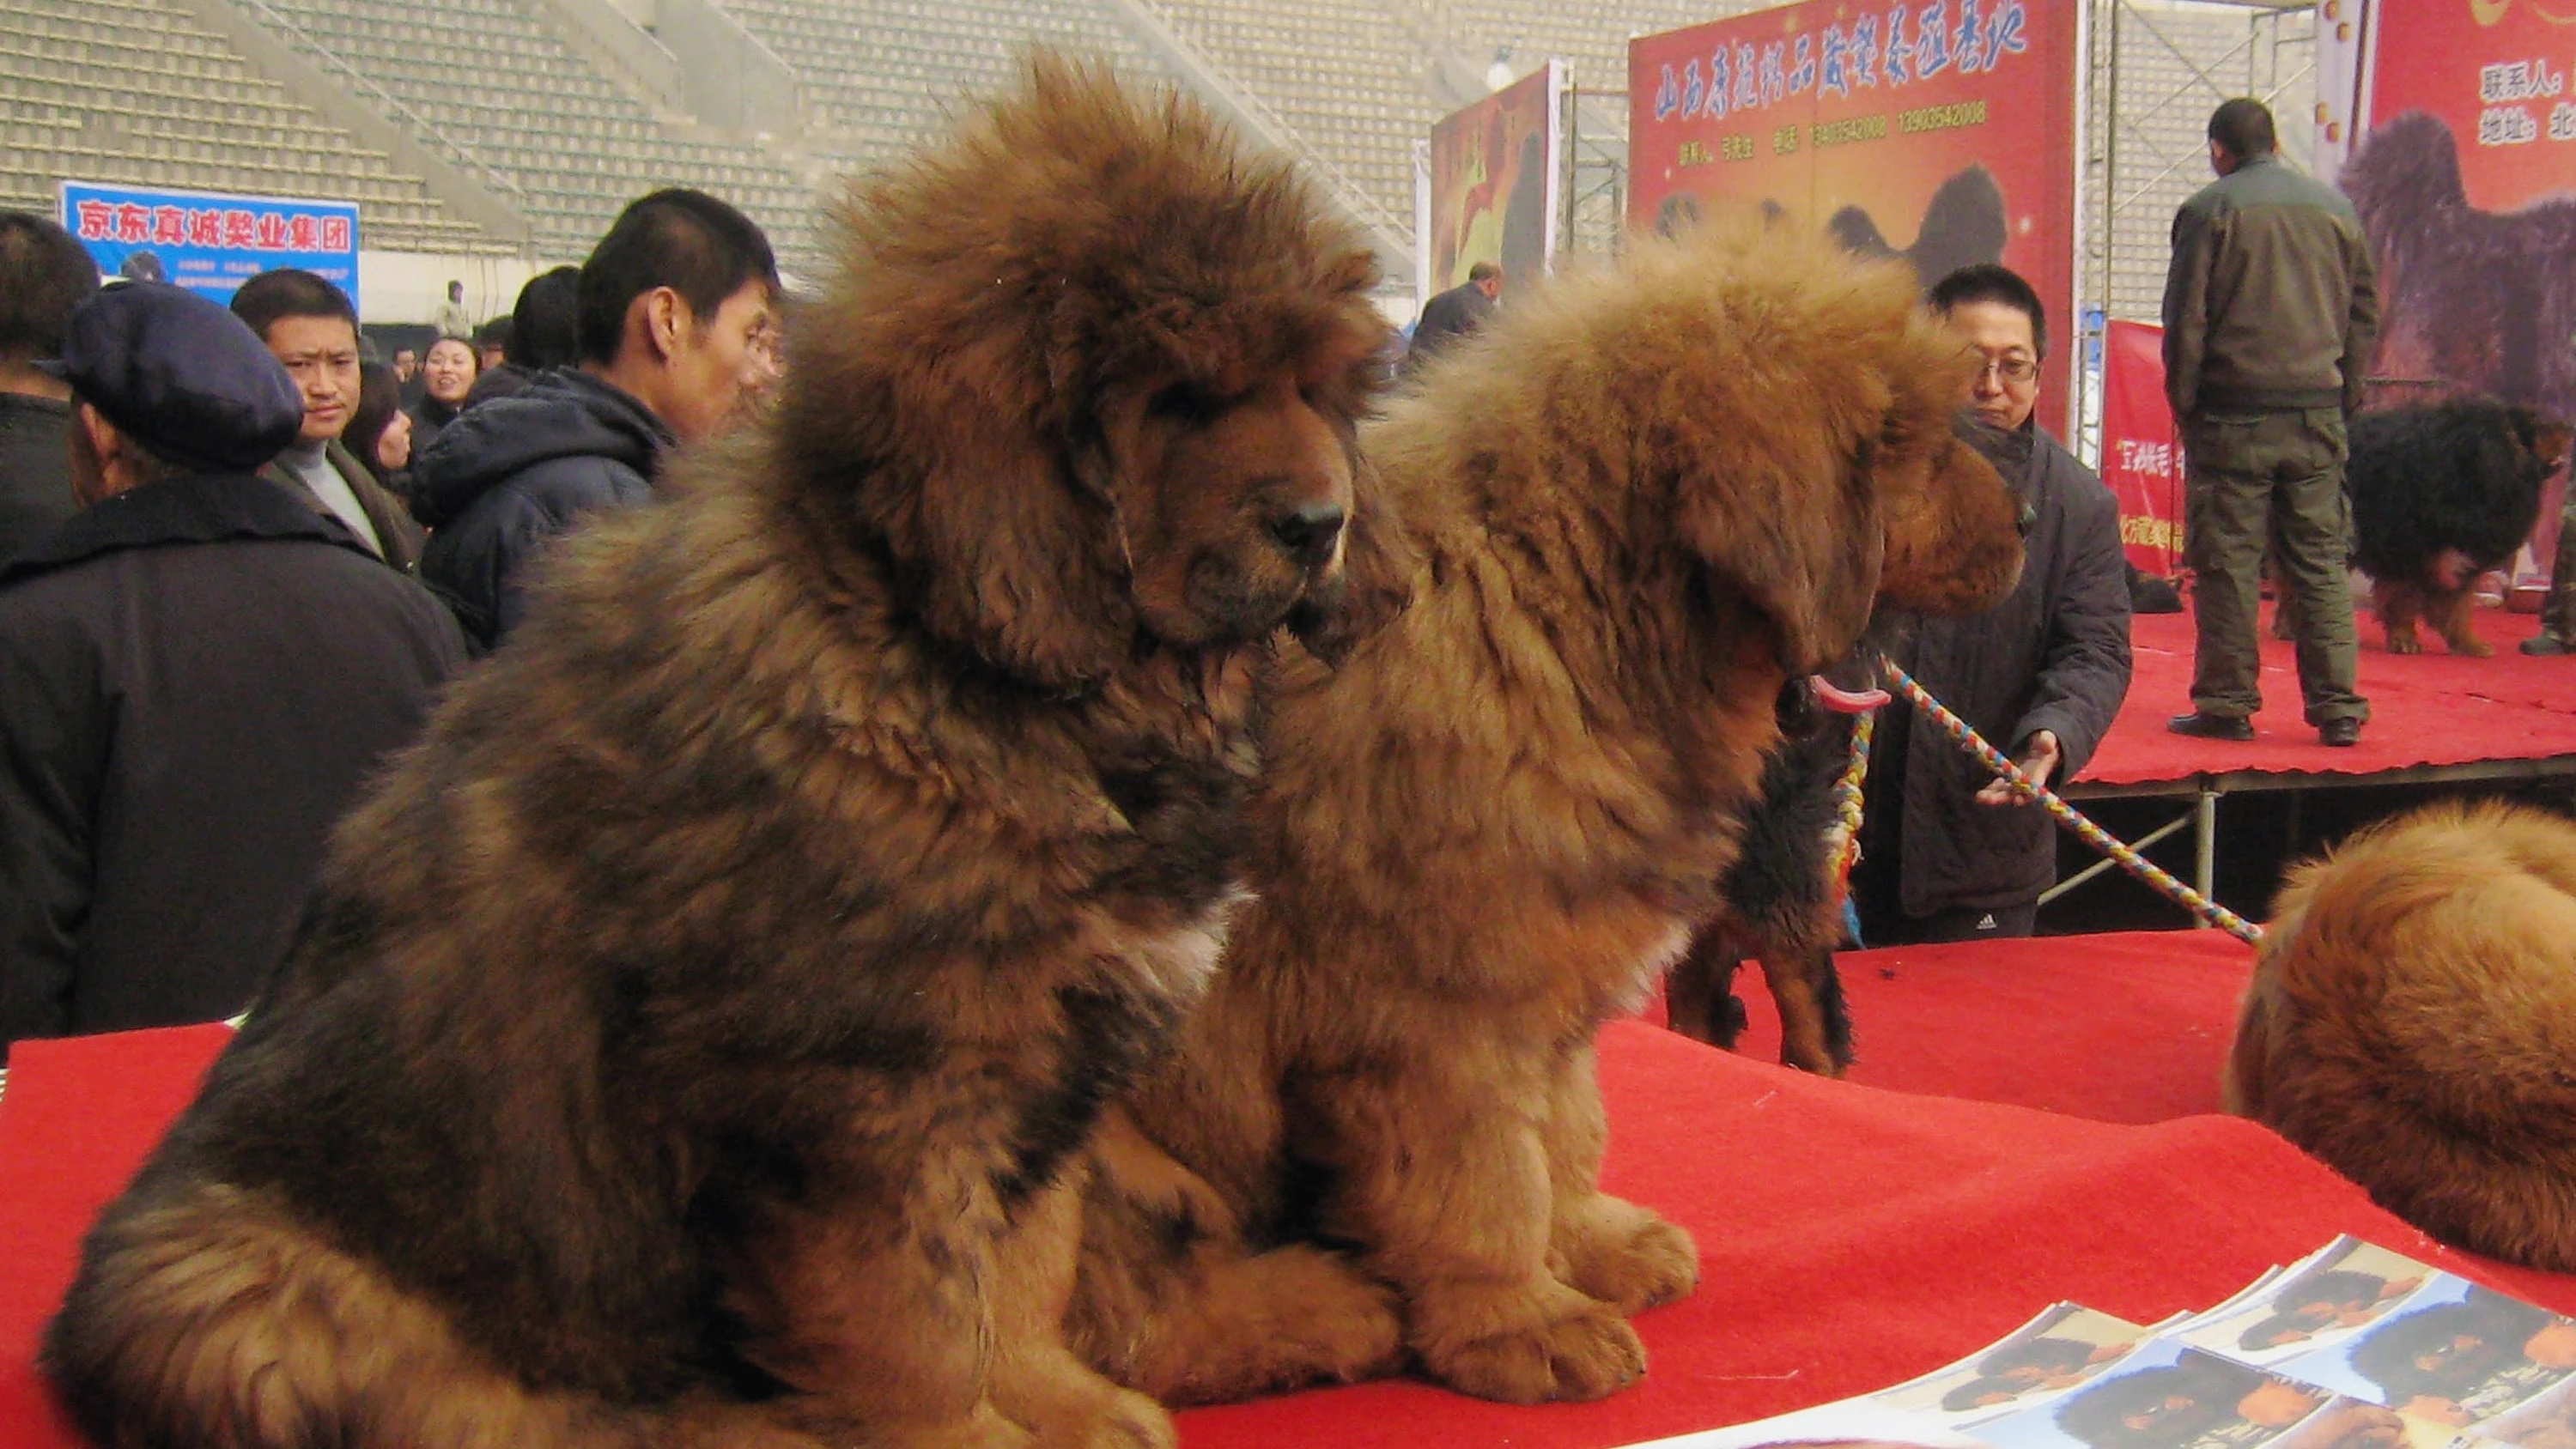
2351 1347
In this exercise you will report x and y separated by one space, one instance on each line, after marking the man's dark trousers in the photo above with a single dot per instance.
2275 474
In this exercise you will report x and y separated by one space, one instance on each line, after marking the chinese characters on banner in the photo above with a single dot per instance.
2466 157
2141 449
1943 130
1494 182
208 242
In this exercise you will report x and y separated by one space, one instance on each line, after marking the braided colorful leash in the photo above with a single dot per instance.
2091 834
1847 793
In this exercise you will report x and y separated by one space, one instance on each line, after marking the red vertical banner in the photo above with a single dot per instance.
2141 448
1942 131
2462 175
1494 182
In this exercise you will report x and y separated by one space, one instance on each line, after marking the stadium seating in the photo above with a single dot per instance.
492 85
133 91
878 77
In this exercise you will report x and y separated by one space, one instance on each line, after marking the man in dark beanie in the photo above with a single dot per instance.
202 671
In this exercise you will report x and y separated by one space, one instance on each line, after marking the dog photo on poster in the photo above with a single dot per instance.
2466 155
1941 131
1494 182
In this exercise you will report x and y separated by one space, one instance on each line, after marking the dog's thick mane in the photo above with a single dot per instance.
994 296
1617 343
1568 573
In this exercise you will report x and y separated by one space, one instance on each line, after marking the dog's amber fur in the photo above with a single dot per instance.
2412 1024
689 1037
1641 500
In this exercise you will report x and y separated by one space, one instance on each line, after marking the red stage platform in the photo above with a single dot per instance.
2026 1124
2428 711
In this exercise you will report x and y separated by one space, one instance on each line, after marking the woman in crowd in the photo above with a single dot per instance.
450 370
379 434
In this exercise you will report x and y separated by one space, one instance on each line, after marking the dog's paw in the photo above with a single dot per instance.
985 1428
1584 1351
1330 1321
1279 1320
1625 1255
1112 1419
2406 643
2471 648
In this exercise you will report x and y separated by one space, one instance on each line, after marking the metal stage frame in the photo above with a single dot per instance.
2204 791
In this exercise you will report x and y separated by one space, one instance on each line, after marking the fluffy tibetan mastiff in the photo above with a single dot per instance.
689 1039
2441 493
2412 1023
1639 502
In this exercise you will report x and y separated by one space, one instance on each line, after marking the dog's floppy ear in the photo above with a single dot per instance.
1802 543
997 543
1018 559
1376 582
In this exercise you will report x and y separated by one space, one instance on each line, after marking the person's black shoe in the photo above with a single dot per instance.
2544 644
2211 726
2340 732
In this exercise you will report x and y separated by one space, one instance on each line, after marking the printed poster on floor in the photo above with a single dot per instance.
1495 180
1942 131
210 242
2463 175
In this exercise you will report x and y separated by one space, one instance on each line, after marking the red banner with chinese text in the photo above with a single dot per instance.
1941 130
2141 449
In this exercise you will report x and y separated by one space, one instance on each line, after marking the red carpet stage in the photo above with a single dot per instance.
2435 719
2430 709
2025 1125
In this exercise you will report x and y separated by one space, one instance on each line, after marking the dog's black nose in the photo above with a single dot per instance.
1309 532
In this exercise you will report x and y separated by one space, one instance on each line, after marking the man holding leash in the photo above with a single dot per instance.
1949 853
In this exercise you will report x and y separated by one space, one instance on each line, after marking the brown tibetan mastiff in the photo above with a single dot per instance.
2412 1024
689 1037
1639 502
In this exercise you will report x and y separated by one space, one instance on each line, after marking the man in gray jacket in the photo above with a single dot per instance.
1948 852
2270 314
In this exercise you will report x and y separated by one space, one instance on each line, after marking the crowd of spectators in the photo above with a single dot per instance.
222 601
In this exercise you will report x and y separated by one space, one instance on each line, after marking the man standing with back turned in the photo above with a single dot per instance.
2270 313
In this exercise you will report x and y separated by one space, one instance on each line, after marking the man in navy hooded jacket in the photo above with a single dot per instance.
677 315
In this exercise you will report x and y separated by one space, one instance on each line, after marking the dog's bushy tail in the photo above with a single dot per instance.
209 1321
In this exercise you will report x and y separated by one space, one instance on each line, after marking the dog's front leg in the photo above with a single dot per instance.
1607 1247
1442 1172
873 1311
1037 1381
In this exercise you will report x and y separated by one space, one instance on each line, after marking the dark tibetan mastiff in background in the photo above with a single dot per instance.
2412 1023
690 1035
2441 493
1781 902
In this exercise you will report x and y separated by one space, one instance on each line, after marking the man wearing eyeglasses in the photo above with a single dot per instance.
1947 852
